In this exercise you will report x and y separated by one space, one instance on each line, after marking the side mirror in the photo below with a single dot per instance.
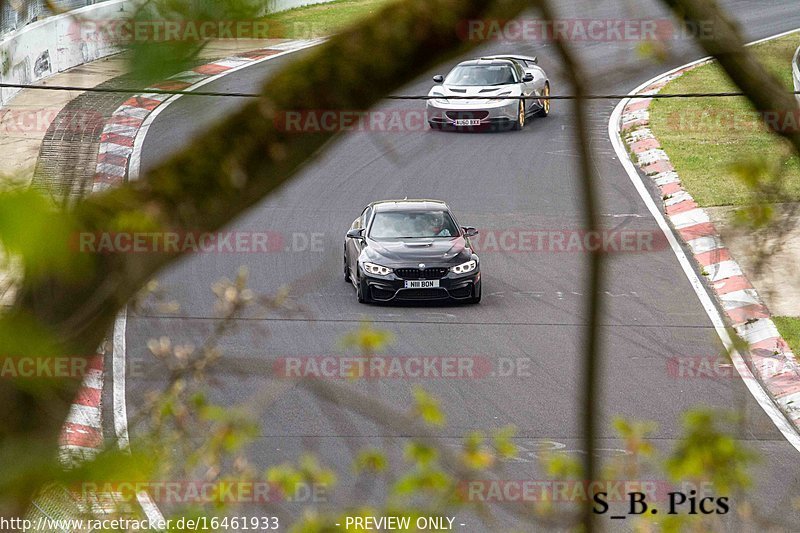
469 231
356 233
527 77
438 78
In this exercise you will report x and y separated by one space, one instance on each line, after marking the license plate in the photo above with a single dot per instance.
468 122
422 284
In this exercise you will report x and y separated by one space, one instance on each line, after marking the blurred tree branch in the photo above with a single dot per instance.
208 184
590 368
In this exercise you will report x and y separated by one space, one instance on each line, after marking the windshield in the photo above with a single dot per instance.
412 225
472 75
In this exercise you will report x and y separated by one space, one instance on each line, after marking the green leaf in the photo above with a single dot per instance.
708 452
502 442
420 453
156 54
423 481
371 460
41 236
367 340
427 407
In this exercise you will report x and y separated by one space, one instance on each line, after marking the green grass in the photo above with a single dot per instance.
697 134
323 19
789 328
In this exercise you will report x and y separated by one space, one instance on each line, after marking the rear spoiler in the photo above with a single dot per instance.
532 59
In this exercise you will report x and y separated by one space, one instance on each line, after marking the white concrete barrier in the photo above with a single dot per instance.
60 42
55 44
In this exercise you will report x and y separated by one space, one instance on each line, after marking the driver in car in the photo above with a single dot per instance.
437 224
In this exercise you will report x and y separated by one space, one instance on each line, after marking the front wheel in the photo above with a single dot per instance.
362 291
520 122
476 295
346 268
544 102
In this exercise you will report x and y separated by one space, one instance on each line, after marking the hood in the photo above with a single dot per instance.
414 251
475 90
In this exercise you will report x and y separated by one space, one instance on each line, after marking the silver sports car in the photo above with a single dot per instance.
503 77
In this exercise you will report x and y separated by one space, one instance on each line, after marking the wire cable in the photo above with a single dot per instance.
153 90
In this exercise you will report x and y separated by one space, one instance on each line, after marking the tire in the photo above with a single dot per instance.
362 291
476 299
545 109
520 122
346 268
436 126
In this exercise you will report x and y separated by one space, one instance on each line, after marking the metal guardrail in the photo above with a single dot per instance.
796 73
19 13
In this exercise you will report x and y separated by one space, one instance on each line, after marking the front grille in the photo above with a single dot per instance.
416 273
458 115
421 294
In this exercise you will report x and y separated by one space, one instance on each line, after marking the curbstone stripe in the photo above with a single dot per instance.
82 434
120 130
740 301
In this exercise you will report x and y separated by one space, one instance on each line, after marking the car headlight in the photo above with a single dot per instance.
378 270
500 97
439 98
463 268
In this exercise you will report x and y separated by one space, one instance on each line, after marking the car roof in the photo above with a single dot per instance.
408 205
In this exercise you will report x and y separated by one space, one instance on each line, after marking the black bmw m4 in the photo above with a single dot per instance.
411 250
